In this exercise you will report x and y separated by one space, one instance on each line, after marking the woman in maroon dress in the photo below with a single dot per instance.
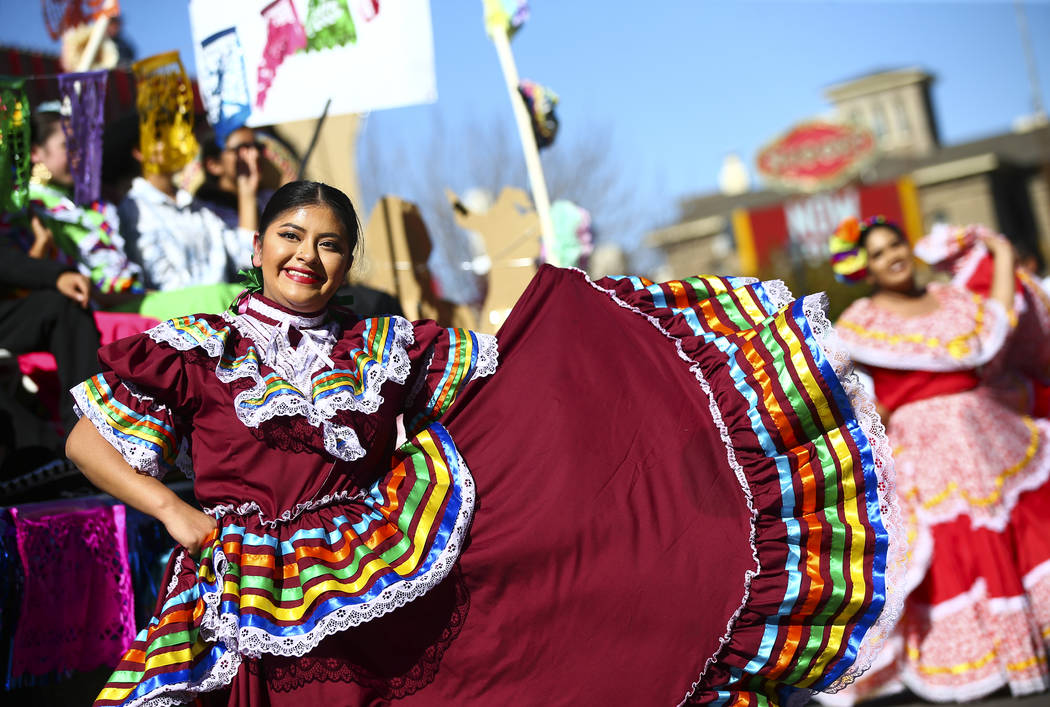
670 496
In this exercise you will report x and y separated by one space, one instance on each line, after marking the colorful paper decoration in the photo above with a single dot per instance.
224 83
60 15
284 37
329 25
505 15
14 145
367 9
573 240
165 105
540 101
84 105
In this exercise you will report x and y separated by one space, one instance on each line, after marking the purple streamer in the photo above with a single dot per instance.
85 96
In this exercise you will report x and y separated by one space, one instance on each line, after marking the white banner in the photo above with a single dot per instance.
363 54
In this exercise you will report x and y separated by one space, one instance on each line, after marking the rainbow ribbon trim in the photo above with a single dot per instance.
283 589
831 580
464 356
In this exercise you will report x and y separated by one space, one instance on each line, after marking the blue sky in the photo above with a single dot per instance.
678 83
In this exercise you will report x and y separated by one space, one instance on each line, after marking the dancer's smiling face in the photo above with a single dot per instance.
305 254
890 262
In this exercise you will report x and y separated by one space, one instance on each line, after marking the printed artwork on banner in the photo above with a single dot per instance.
329 24
364 55
224 83
801 226
812 219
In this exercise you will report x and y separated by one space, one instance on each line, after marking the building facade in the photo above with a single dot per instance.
1002 181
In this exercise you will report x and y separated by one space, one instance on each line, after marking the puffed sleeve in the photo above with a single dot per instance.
443 360
140 403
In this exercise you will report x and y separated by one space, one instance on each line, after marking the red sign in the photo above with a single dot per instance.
803 226
816 155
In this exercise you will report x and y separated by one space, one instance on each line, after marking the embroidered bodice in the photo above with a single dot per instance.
269 409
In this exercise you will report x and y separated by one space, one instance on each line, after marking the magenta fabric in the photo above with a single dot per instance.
111 326
284 36
77 609
40 365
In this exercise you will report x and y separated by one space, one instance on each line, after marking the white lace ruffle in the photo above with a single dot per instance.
175 575
997 518
734 464
220 675
139 457
254 642
986 347
287 515
339 440
166 333
279 315
815 309
488 356
779 294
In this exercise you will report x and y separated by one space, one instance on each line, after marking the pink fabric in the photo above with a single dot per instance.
77 609
284 36
40 365
111 326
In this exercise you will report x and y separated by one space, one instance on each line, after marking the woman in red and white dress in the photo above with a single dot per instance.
972 473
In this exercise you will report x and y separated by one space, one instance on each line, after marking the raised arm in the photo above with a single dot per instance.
248 190
104 466
1003 271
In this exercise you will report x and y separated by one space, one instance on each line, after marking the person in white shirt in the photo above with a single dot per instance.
179 242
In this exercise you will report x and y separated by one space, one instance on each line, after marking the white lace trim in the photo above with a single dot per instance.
779 294
298 321
289 514
253 642
421 379
296 364
1011 492
166 333
175 575
970 691
723 431
139 457
815 309
488 356
220 675
340 441
988 345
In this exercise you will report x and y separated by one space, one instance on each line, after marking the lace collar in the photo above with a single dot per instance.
268 312
295 356
304 380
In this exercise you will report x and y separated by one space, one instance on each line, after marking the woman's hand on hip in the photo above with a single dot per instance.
188 526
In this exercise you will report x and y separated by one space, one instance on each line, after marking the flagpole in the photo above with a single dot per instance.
528 140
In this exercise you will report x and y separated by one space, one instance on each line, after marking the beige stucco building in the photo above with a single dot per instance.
1002 181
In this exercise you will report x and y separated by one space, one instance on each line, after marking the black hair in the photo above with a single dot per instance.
119 138
295 194
42 125
210 150
867 228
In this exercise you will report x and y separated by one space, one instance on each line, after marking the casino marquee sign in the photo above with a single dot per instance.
816 155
